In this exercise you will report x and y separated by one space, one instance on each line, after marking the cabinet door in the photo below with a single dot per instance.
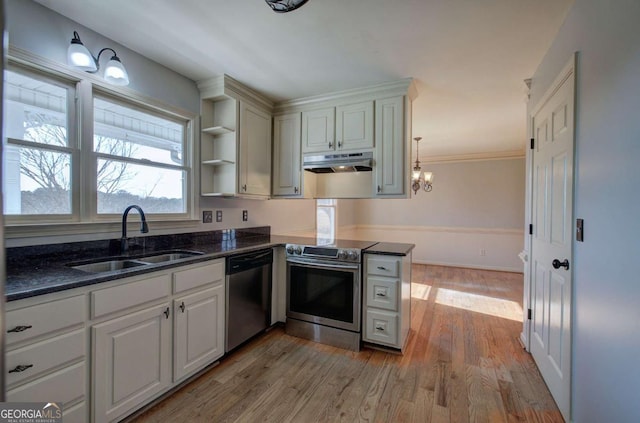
390 174
199 330
254 153
287 170
354 126
132 361
318 130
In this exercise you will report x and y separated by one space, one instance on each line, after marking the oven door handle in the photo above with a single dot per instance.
324 265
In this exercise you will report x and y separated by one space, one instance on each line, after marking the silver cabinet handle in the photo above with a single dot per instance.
21 368
339 144
295 190
380 328
244 187
381 294
166 312
330 145
379 188
382 268
19 329
182 307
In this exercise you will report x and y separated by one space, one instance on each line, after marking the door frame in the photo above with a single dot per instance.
568 71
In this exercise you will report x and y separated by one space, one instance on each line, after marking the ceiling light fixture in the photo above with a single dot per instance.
283 6
420 180
81 58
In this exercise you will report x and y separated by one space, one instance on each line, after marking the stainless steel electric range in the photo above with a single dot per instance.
324 292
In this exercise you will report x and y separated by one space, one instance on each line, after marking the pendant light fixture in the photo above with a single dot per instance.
283 6
420 180
81 58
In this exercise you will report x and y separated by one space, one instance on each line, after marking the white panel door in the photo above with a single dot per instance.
389 170
318 130
287 169
254 154
553 125
199 330
131 361
354 126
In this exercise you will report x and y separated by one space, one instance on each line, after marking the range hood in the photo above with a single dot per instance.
336 163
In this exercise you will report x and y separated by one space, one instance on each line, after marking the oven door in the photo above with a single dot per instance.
324 293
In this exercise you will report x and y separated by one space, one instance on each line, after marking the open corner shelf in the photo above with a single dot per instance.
217 130
217 162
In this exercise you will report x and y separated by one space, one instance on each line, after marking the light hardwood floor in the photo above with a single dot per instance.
463 363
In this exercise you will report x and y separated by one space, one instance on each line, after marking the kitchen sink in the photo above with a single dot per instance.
128 263
109 266
168 256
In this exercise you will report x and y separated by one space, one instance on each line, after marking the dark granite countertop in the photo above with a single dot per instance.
44 269
390 249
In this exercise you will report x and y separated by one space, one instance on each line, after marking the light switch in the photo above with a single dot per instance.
218 215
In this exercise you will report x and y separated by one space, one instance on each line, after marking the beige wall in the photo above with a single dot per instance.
474 217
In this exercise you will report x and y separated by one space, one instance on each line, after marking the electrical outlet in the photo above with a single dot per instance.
483 252
207 216
245 215
218 215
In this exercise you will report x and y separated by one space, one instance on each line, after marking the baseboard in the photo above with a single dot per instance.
472 266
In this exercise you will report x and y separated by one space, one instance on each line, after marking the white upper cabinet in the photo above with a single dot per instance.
354 126
342 128
235 146
318 130
254 154
389 171
287 170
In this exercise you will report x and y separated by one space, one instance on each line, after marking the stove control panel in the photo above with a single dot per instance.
323 252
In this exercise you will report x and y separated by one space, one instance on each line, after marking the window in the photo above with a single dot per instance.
39 148
133 152
326 221
139 159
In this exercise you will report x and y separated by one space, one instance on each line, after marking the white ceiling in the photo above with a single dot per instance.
469 57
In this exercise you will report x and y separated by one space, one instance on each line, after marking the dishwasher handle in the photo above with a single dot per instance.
241 262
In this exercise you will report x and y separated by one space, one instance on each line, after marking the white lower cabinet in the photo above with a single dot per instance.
387 300
132 361
199 330
105 350
46 352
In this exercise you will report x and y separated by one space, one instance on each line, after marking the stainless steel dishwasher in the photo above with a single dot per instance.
248 296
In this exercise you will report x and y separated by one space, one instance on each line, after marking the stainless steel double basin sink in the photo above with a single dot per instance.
121 263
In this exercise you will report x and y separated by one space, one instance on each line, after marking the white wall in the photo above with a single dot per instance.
43 32
606 314
475 208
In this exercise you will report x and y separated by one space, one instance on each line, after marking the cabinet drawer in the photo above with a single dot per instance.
65 386
30 322
44 356
382 293
199 276
382 327
383 266
121 297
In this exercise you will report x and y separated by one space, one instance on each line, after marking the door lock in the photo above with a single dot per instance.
557 264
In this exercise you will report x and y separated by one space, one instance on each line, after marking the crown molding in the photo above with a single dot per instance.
404 86
225 86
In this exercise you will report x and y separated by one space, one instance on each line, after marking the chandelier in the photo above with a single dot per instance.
283 6
420 180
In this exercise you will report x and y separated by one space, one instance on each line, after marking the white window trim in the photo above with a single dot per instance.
85 220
